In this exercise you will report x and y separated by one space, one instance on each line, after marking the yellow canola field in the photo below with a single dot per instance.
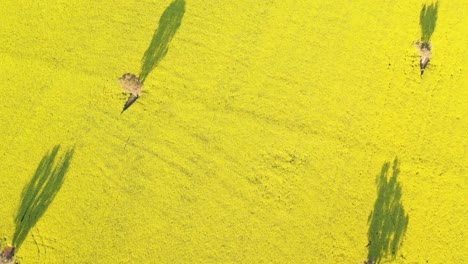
258 138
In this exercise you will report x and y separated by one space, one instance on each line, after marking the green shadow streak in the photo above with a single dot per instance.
40 192
428 20
169 23
388 221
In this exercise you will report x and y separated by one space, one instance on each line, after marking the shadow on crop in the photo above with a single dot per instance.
169 23
428 20
40 192
388 221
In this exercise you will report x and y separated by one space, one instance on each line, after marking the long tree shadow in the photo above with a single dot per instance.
388 221
169 23
40 192
428 20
